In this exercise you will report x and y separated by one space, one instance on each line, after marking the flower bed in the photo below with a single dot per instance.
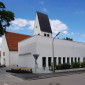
20 70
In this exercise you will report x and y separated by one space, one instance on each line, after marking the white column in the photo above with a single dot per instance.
61 60
46 61
70 60
65 59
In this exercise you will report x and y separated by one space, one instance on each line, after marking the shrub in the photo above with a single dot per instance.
63 66
82 64
52 66
19 71
75 65
58 67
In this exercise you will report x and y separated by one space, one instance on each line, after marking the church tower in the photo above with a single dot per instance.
42 25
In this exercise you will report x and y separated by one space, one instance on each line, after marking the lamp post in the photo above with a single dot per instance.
53 51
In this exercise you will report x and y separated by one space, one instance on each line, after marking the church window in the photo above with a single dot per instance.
47 35
3 53
44 34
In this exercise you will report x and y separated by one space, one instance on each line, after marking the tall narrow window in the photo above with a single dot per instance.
44 61
78 60
3 53
49 61
44 34
75 59
55 60
59 60
71 60
63 60
84 59
47 35
68 60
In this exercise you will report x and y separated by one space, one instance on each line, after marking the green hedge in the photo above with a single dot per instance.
75 65
63 66
18 71
82 64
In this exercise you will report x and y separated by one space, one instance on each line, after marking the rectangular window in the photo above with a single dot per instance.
63 60
71 60
47 35
78 60
44 61
3 53
68 60
84 59
75 59
44 34
59 60
55 60
49 61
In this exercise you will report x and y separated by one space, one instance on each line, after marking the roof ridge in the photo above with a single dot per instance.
17 33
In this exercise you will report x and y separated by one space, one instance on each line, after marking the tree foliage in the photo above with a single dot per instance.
67 38
5 18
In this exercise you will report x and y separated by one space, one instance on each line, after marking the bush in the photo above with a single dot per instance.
82 64
75 65
58 67
52 66
19 71
63 66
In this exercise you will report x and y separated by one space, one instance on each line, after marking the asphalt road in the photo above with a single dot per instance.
75 79
34 79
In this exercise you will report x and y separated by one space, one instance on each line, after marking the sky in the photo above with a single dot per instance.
65 16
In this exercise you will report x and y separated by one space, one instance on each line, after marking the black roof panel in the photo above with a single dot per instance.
44 22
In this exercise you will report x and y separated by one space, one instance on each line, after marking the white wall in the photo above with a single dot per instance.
13 57
4 48
37 30
24 47
43 46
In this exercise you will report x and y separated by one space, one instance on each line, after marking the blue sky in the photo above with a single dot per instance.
66 16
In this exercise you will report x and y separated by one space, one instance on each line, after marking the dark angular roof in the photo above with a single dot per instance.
44 22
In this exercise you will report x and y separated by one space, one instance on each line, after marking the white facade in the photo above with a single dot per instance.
43 46
8 57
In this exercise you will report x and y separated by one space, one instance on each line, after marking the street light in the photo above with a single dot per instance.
53 51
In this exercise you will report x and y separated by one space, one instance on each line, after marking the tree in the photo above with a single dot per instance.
67 38
5 18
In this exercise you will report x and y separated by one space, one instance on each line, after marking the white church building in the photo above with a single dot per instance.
41 43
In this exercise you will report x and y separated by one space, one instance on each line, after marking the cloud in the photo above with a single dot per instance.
44 9
58 26
31 24
20 24
65 32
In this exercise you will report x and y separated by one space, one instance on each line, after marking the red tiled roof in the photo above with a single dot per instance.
13 39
